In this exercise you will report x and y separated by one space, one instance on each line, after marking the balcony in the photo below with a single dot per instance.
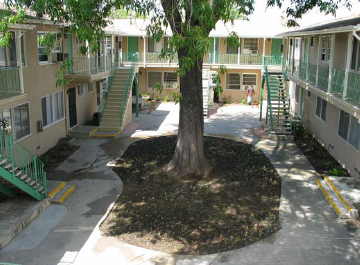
328 80
9 82
87 69
220 58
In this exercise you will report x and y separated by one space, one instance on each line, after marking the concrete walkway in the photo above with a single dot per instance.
310 234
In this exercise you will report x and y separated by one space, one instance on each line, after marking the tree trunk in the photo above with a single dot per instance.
189 158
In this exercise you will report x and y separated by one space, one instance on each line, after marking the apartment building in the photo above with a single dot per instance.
40 112
323 66
244 64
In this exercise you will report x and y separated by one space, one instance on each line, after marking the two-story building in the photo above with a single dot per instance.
244 64
323 66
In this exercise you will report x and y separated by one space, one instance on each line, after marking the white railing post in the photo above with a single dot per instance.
19 59
347 63
318 60
331 62
88 59
239 50
264 44
144 56
308 57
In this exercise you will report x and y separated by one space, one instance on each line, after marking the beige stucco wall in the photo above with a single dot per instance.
327 132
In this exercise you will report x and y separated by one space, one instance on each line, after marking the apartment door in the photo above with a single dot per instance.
133 45
72 106
276 47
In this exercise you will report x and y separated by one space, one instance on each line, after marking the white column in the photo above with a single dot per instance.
88 58
214 57
105 52
264 44
318 60
239 50
347 63
331 62
308 57
144 64
293 56
18 58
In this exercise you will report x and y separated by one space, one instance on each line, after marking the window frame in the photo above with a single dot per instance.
351 119
53 109
243 86
90 87
82 85
162 79
325 51
14 122
59 41
169 84
250 47
321 109
240 82
357 55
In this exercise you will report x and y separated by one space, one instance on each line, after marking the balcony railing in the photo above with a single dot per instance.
9 81
319 76
323 77
337 81
92 65
353 88
296 68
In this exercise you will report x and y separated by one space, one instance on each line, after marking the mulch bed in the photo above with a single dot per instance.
56 155
237 205
318 156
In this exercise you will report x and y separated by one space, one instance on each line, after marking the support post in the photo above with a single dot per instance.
307 58
88 59
19 59
264 44
137 94
331 62
239 50
144 56
347 63
318 60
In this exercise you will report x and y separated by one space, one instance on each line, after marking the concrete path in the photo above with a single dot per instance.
310 234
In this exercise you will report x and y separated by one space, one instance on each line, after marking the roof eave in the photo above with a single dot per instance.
319 32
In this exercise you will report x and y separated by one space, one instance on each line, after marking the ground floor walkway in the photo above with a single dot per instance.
69 234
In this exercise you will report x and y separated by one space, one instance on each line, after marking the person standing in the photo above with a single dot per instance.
250 94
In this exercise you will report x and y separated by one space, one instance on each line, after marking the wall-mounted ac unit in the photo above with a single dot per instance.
254 51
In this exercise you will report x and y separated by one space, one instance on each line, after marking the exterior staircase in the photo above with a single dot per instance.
206 87
278 118
20 171
117 100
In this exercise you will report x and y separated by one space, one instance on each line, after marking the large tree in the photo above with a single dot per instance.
191 22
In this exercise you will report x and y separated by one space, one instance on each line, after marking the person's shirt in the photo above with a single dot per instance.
250 92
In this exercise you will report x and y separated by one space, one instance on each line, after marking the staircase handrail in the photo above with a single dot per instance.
107 90
21 158
134 59
269 94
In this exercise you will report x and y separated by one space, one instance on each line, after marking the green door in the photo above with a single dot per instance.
276 51
133 46
214 50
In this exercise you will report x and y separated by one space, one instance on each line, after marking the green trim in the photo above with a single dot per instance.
8 192
136 83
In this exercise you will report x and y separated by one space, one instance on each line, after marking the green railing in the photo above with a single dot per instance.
92 65
106 92
128 88
323 78
227 58
302 71
9 81
312 74
337 81
251 59
273 59
296 68
22 159
353 87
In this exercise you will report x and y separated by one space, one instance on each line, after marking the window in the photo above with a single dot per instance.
308 94
170 80
321 106
231 49
90 87
153 78
325 48
233 81
22 121
312 42
8 55
52 108
349 129
251 44
6 115
42 53
154 46
249 80
355 57
108 45
81 90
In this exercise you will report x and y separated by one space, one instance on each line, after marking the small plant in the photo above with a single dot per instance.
145 95
166 99
256 103
337 172
156 98
5 124
243 102
228 101
177 97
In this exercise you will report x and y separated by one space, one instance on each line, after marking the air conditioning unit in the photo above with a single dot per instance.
254 51
54 57
40 126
